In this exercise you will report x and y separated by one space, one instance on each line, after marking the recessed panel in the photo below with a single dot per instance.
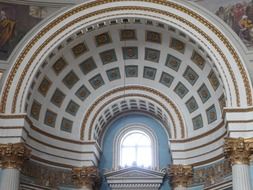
127 34
222 101
66 125
152 55
130 52
177 45
82 93
58 98
173 62
213 80
192 105
88 65
70 79
103 39
190 75
59 65
108 56
131 71
197 122
166 79
50 118
181 90
79 49
96 81
44 86
204 93
35 110
198 60
72 108
113 74
149 73
153 37
211 114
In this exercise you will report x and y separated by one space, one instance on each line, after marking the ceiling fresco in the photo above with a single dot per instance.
238 14
15 22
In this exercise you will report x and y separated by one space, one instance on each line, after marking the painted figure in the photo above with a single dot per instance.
7 27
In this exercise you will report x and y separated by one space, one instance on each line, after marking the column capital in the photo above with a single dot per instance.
181 174
85 176
13 155
238 150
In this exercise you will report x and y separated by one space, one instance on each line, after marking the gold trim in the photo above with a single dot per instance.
238 150
202 163
219 126
50 162
132 95
120 89
96 3
180 175
203 145
85 177
13 155
200 154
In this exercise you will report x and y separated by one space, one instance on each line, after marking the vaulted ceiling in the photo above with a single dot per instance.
135 57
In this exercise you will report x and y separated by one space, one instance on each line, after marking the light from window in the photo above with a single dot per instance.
136 150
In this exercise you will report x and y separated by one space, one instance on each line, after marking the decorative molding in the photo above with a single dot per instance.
134 178
212 175
86 176
238 150
165 3
45 175
180 175
13 155
120 89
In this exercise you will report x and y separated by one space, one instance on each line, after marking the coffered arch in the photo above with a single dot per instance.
98 47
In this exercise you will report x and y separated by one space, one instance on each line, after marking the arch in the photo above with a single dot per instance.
219 46
129 129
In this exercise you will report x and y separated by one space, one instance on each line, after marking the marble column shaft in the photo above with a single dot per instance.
238 151
12 158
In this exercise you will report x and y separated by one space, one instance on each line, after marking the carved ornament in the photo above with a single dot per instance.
13 155
180 175
238 150
85 176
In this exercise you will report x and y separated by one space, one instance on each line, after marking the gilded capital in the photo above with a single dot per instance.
13 155
85 176
238 150
180 175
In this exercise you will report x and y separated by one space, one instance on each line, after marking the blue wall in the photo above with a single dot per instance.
120 123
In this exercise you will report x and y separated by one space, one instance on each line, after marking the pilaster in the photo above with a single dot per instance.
86 178
238 151
12 158
180 176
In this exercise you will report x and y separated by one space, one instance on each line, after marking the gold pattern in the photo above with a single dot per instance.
238 150
133 95
85 176
181 175
142 88
96 3
13 155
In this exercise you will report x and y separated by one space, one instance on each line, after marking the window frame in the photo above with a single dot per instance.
128 129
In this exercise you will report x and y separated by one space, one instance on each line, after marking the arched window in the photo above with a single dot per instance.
135 145
136 149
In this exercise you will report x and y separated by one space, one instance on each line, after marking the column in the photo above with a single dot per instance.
238 151
12 158
86 178
180 176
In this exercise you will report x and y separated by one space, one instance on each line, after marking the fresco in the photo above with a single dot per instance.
15 22
238 14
